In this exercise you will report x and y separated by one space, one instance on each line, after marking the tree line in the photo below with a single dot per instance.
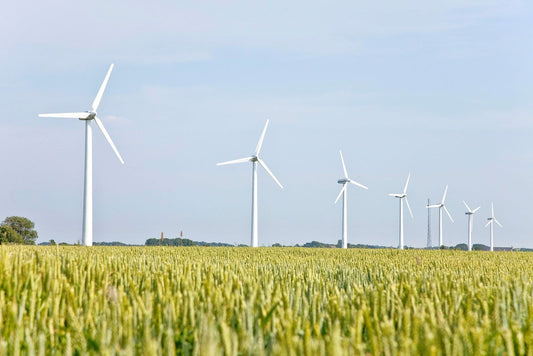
181 242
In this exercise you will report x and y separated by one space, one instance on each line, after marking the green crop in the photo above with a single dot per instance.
288 301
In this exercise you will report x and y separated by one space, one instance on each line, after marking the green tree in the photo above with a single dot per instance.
9 235
22 226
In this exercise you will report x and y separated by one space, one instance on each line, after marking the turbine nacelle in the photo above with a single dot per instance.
435 206
397 195
90 116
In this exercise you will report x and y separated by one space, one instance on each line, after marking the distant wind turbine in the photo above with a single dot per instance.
441 206
88 117
254 159
491 222
470 214
344 181
401 197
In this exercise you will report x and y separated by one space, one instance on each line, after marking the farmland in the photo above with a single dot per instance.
291 301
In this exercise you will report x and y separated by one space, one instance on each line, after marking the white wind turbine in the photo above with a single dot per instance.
491 222
344 181
88 117
470 214
254 159
441 206
403 196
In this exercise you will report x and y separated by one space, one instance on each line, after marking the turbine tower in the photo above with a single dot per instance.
429 227
401 197
255 159
491 222
441 206
88 117
344 181
470 214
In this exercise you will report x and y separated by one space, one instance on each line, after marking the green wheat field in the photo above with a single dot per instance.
61 300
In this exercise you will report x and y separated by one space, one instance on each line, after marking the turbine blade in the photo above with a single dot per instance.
357 184
260 143
487 224
340 193
240 160
492 208
447 212
68 115
343 165
108 138
476 209
444 196
433 206
269 172
96 101
409 207
395 195
406 184
467 207
497 222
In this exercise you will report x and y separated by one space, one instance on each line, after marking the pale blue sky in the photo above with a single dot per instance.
439 90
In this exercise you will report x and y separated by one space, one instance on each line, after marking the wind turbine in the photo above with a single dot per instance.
255 159
88 117
344 181
491 222
403 196
470 214
441 206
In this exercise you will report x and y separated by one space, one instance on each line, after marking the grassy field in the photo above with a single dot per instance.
289 301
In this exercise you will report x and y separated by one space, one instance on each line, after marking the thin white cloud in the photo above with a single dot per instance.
117 119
